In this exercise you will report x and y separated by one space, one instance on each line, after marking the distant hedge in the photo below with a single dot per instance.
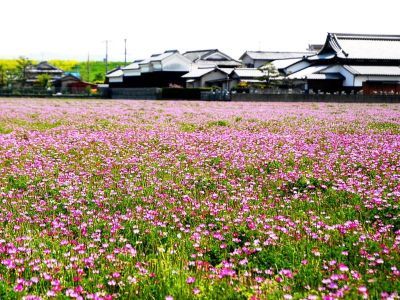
183 94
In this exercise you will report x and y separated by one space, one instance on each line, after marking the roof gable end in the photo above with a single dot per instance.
362 46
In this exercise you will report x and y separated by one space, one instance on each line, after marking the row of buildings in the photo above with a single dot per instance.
349 63
60 80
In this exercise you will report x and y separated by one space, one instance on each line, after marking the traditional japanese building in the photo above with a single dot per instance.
249 76
71 84
211 58
208 77
42 68
351 63
159 70
257 59
200 68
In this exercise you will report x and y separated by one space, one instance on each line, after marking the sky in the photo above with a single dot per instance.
76 29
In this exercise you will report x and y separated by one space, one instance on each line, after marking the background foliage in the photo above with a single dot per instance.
94 71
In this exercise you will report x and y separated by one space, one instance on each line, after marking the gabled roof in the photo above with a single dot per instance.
305 73
200 72
315 73
160 57
274 55
113 70
75 74
362 46
70 76
248 73
45 66
116 73
218 63
197 73
280 64
197 54
373 70
134 65
211 57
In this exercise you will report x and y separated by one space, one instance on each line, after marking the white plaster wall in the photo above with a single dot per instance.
132 72
360 79
176 63
215 75
348 77
116 79
247 60
297 67
145 68
156 66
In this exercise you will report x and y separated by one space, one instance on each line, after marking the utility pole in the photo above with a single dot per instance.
106 60
125 51
88 67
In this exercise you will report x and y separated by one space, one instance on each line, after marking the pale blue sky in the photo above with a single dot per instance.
49 29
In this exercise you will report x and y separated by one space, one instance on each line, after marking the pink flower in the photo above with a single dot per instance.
343 268
51 294
259 279
190 280
286 273
111 282
362 289
19 287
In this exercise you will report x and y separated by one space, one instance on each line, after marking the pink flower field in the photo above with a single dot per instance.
199 200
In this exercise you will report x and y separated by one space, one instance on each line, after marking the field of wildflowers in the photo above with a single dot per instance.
191 200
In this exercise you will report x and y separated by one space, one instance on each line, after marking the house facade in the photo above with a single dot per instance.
70 84
159 70
200 68
249 76
224 78
43 68
208 77
351 63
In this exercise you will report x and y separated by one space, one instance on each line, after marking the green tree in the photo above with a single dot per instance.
23 64
2 76
271 74
43 80
7 75
98 77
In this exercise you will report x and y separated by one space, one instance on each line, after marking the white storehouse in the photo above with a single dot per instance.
202 68
159 70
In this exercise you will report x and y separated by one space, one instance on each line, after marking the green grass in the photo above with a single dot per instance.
218 123
188 127
385 126
4 129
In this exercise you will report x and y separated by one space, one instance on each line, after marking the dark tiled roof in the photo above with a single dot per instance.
274 55
363 46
